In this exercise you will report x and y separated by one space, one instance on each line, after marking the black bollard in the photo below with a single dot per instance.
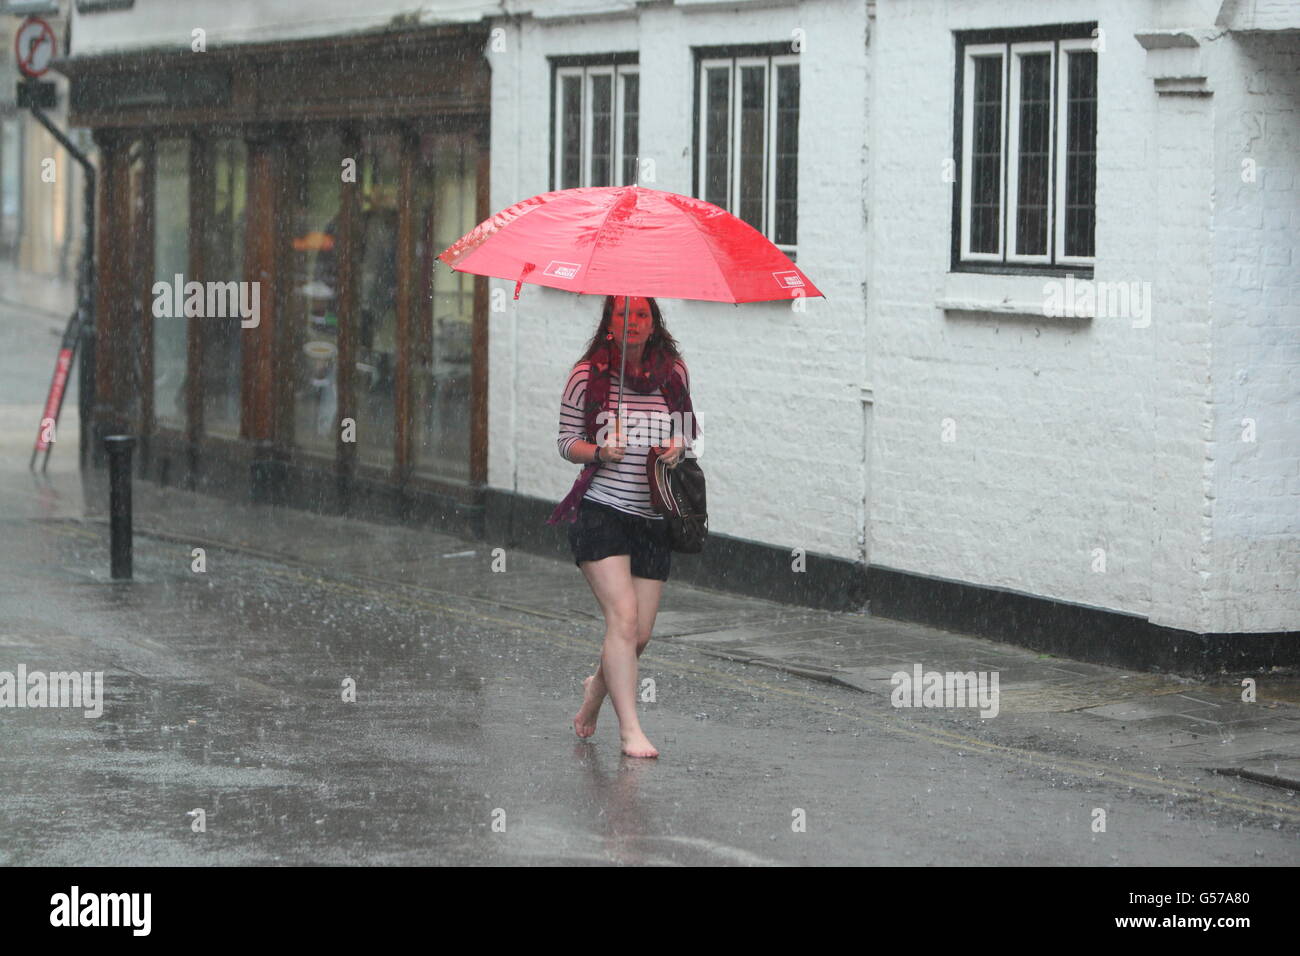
119 503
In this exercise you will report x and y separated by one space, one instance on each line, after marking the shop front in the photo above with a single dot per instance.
271 323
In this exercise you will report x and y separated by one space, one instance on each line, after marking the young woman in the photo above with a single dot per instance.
618 540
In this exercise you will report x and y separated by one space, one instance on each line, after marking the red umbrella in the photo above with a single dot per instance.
629 241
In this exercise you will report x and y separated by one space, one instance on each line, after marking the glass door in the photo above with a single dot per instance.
171 254
374 375
443 306
226 186
314 298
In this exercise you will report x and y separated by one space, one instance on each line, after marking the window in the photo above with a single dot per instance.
747 137
225 161
11 166
596 108
314 299
446 207
374 380
171 252
1026 137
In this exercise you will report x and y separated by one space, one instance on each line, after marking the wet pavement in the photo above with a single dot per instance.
224 692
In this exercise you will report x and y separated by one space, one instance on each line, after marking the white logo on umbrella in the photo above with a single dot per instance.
562 270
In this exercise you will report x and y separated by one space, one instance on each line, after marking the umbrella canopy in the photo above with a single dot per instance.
629 240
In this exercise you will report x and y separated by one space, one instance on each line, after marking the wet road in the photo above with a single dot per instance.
224 693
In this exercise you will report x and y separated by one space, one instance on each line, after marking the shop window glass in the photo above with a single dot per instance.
313 308
171 258
444 200
223 261
10 180
376 315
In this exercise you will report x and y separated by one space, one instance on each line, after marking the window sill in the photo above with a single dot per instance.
1000 294
1079 271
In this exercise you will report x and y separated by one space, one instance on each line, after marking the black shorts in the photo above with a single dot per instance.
601 531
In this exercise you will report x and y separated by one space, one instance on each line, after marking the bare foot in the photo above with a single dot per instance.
584 722
638 745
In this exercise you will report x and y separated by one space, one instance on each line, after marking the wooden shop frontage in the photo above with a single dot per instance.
270 323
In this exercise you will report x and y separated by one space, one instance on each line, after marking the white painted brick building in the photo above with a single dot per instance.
933 420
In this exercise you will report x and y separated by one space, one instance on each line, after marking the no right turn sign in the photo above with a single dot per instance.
34 47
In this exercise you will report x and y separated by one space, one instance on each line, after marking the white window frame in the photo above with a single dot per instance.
1008 181
1062 138
586 73
967 144
734 65
1012 105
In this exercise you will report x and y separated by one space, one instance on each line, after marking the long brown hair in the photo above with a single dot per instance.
660 339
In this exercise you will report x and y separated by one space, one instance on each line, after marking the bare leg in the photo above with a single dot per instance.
648 592
612 582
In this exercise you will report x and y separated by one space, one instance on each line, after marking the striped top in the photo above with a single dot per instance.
620 484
